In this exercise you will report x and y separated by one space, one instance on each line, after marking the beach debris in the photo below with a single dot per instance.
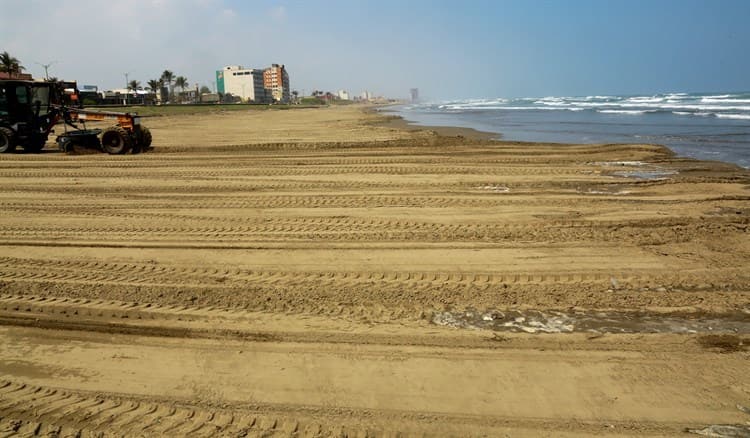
494 188
605 192
656 174
618 163
722 333
723 431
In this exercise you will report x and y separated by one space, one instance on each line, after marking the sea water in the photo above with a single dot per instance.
708 126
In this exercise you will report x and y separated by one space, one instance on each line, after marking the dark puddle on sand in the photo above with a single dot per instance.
534 321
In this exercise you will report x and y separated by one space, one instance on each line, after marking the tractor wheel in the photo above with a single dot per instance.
65 144
145 138
35 145
7 141
116 140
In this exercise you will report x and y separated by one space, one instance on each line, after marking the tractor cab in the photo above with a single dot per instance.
30 109
25 114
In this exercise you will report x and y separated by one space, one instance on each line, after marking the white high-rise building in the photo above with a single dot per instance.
247 83
343 95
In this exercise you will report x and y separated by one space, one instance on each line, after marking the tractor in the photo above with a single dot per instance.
29 110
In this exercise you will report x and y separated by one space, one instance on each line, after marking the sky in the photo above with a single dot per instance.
447 49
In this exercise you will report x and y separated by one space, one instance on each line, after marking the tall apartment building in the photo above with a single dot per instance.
414 93
247 83
276 83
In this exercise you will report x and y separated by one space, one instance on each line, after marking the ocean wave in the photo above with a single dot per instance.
723 100
686 106
734 116
645 99
630 112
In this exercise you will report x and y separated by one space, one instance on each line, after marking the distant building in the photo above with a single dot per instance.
245 83
209 98
366 95
276 83
343 95
414 92
16 76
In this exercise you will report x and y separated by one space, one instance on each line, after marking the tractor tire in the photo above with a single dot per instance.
7 141
65 144
145 138
35 145
116 140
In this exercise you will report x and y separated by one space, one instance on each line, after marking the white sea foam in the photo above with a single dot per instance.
652 99
723 100
630 112
734 116
686 106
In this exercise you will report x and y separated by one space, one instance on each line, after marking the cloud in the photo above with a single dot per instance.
98 41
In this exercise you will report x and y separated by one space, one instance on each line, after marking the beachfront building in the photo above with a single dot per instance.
343 95
276 83
246 83
414 94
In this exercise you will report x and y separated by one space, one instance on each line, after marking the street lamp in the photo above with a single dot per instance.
127 85
46 68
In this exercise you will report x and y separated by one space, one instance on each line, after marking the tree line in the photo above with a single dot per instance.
11 65
168 80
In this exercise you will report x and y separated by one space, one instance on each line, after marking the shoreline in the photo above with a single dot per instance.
397 121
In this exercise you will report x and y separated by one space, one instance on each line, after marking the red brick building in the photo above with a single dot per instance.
276 83
19 76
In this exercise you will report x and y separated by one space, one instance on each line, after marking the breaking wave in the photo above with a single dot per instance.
730 106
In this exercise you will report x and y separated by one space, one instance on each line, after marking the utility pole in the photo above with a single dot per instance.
46 68
127 84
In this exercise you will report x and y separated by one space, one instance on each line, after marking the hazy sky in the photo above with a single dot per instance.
449 49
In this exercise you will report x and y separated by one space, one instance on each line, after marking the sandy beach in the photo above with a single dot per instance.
338 272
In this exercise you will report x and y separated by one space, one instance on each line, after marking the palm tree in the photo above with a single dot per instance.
167 77
10 65
182 82
134 85
155 86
